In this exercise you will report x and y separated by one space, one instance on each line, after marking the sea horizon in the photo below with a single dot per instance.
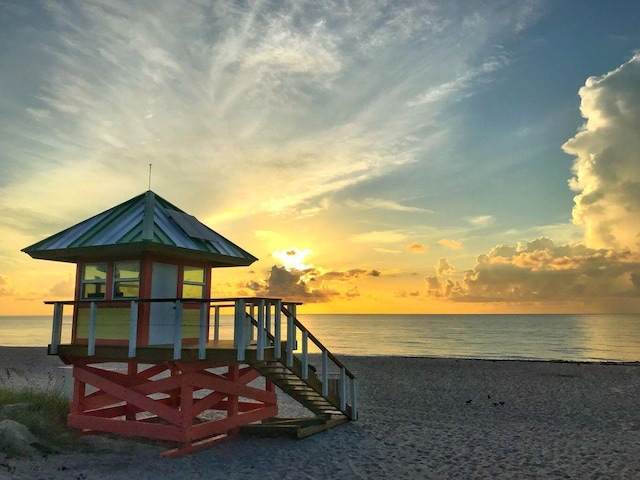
563 337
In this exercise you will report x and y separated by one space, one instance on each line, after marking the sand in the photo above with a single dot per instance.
420 418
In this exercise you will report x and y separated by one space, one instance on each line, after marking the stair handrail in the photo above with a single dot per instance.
347 380
326 355
318 343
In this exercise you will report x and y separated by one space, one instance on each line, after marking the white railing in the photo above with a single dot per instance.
257 325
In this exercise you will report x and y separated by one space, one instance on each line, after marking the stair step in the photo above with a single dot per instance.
299 389
308 394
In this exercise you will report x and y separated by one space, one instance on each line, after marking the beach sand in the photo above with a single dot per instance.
420 418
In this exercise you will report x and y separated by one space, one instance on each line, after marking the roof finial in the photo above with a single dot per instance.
150 175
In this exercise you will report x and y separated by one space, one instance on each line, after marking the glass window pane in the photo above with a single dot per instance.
126 270
126 289
93 290
193 291
95 271
194 274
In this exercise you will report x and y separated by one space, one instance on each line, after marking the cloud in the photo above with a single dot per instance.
542 271
453 244
312 52
385 236
443 267
293 258
481 220
347 275
405 294
30 221
63 289
416 247
388 251
460 87
352 293
381 204
282 283
607 165
312 285
312 95
39 113
5 288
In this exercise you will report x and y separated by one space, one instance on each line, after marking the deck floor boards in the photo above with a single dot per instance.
216 351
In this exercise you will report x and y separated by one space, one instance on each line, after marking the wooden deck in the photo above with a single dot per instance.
216 351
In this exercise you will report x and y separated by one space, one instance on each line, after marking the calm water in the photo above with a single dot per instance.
559 337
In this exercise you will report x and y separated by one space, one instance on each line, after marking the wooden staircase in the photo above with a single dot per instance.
306 391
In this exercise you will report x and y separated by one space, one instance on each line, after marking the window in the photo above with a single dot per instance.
193 282
94 280
126 279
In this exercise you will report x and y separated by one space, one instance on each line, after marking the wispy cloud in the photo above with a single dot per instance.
248 96
381 204
450 243
385 236
461 87
481 220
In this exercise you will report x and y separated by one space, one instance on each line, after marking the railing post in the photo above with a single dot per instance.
91 341
238 328
343 389
177 331
251 314
325 373
291 338
277 330
248 326
202 338
216 324
267 318
305 354
133 328
354 402
238 324
56 328
261 336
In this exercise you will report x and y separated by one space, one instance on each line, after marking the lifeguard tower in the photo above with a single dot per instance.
150 354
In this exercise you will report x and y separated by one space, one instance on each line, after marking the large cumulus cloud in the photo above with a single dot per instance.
604 272
541 271
607 165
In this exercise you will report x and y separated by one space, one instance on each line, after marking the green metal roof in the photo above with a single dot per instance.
146 223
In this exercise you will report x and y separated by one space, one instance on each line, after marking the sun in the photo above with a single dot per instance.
293 258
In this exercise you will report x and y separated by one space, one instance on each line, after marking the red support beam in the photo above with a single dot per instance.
167 407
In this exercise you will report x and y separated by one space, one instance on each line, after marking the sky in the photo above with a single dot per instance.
376 156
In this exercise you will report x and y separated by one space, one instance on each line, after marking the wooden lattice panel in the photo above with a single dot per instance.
191 403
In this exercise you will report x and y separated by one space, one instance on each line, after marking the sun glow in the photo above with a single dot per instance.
293 258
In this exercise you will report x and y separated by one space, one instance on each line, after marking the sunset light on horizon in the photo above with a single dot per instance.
376 157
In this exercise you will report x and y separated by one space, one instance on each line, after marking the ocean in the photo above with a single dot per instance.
588 338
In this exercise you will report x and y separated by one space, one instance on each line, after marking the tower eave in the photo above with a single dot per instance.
76 255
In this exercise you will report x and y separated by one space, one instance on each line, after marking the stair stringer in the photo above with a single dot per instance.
307 392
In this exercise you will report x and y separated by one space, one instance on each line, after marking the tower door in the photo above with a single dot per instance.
164 284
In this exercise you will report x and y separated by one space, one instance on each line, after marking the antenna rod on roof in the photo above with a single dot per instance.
150 175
